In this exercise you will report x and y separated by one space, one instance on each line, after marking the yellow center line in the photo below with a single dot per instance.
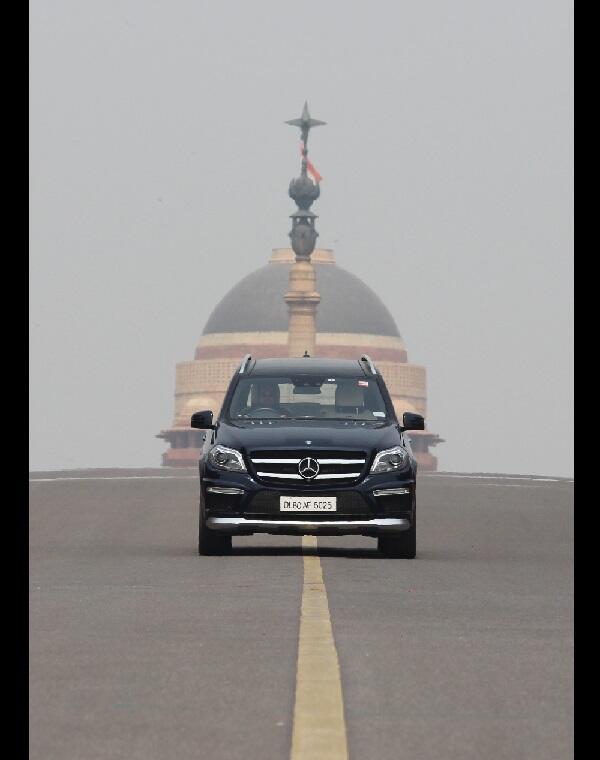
319 726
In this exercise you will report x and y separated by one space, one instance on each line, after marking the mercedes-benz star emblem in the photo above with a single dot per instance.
308 468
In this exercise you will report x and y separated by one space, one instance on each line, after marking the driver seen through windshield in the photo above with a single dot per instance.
307 397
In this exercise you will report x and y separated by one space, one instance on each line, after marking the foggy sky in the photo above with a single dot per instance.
159 172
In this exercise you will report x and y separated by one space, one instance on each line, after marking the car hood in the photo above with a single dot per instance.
246 435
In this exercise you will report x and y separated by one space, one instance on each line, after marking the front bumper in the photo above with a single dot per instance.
237 504
246 526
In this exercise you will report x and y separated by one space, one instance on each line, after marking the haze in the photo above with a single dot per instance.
160 163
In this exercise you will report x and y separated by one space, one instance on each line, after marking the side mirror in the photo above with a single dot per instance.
412 421
202 420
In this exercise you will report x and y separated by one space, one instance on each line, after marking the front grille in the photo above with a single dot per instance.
349 504
281 466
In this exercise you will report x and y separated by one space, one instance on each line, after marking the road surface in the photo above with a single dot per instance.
141 649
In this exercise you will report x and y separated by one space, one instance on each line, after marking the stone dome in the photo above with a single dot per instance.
256 302
253 318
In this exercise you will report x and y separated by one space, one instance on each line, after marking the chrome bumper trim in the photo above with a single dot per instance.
230 491
391 492
302 527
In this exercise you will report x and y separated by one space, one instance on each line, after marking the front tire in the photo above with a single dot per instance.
211 543
403 545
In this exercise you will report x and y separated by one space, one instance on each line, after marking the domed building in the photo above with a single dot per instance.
252 318
301 301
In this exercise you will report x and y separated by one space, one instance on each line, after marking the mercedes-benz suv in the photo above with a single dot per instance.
307 446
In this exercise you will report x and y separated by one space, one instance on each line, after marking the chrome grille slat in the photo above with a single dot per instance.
286 475
296 461
292 476
337 475
275 461
335 465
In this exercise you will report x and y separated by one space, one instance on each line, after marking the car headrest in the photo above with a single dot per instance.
349 394
254 393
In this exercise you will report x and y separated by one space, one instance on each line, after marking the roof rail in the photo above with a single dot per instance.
245 361
366 358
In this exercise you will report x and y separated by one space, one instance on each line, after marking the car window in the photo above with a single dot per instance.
307 397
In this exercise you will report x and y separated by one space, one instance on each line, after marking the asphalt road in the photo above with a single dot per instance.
141 649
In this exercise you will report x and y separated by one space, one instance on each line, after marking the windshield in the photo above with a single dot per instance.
307 397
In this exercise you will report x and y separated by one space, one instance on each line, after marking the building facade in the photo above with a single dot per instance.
253 318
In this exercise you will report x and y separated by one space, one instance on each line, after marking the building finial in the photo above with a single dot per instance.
304 192
306 123
302 297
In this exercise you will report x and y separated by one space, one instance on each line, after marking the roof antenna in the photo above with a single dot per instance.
306 355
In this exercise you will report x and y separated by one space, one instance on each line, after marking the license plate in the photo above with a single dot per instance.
307 504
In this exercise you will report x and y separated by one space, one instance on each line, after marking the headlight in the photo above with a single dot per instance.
390 460
223 458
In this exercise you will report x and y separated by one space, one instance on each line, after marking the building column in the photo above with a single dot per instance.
302 300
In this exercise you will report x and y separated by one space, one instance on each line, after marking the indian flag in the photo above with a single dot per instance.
310 168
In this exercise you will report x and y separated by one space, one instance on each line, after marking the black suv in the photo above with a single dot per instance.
307 446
